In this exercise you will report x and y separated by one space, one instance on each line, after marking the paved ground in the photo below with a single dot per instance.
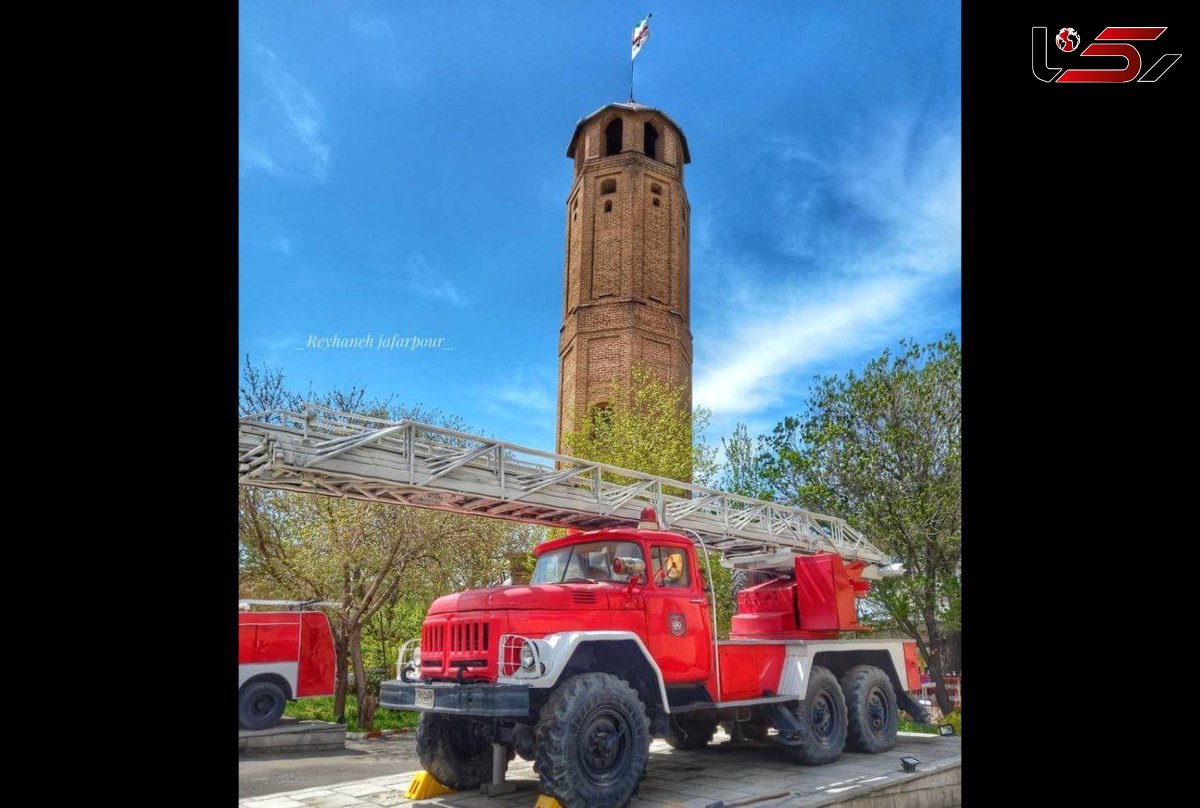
260 774
674 779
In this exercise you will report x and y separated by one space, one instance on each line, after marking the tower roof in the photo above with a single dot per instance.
632 107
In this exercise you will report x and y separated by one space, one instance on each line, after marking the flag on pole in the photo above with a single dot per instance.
641 32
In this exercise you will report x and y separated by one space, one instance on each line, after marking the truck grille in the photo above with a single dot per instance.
433 637
469 636
450 643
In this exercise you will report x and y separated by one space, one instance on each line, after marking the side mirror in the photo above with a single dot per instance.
633 567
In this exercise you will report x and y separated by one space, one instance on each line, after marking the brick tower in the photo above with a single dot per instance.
626 296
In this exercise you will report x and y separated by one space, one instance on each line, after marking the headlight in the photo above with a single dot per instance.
408 662
528 658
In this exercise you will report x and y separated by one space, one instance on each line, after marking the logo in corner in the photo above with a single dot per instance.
1067 39
676 624
1112 42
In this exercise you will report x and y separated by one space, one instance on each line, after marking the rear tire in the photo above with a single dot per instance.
456 751
260 704
738 581
690 733
823 717
592 742
871 707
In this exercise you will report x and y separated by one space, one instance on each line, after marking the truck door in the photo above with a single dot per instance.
677 619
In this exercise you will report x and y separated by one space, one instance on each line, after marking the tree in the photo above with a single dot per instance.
647 427
369 558
744 472
883 450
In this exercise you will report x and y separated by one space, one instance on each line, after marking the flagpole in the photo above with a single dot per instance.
631 61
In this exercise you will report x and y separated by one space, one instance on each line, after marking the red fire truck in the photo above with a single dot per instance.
614 642
282 655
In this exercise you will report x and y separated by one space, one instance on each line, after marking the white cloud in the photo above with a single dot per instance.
754 362
253 157
282 131
431 283
529 399
525 393
897 197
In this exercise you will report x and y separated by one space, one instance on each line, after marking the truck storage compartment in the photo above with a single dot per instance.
744 668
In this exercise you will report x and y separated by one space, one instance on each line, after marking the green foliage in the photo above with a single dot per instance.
647 427
722 583
745 470
321 709
881 448
906 725
955 720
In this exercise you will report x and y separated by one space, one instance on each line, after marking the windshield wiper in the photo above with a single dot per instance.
578 578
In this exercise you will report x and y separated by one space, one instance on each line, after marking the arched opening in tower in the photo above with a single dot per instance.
650 138
612 135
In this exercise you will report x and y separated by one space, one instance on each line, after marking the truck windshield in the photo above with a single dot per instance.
584 562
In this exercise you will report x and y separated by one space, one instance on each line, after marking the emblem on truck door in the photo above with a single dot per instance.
676 624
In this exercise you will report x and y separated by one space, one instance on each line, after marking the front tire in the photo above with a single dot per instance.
592 742
871 705
822 715
456 751
260 704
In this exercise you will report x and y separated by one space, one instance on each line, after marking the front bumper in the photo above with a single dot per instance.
450 697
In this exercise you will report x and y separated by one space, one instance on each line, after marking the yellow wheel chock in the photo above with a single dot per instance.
424 786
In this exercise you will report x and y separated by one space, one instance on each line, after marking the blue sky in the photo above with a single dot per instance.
402 170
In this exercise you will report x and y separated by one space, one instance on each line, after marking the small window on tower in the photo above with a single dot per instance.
650 136
608 186
655 188
612 138
608 206
656 202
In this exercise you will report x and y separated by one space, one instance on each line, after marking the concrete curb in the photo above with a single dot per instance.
293 737
938 787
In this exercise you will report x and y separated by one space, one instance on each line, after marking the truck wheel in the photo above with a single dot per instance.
738 581
456 751
823 716
260 704
871 705
690 733
592 742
